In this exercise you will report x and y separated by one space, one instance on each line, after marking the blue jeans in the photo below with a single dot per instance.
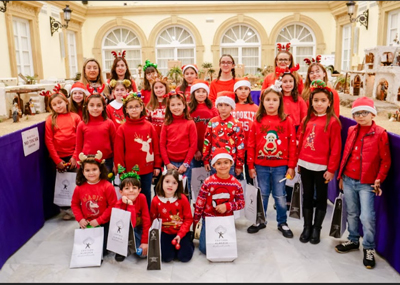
187 173
359 200
145 181
202 239
268 181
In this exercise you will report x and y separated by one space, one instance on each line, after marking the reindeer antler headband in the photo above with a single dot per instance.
147 64
97 157
133 173
172 92
280 71
121 55
282 47
45 93
56 90
319 84
312 60
92 90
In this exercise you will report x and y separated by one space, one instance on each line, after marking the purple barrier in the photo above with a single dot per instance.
255 95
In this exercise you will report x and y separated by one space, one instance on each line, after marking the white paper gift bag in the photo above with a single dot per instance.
254 207
64 188
88 247
221 244
199 174
118 234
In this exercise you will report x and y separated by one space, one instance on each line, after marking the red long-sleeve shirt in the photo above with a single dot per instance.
272 142
216 191
156 117
175 214
115 113
178 141
146 95
61 141
97 134
186 92
296 110
245 113
218 86
320 147
94 201
270 80
136 143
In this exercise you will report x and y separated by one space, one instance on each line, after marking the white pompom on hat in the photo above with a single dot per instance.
80 87
242 82
197 84
194 66
227 97
220 153
363 104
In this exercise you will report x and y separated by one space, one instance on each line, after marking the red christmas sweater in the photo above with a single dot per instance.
216 191
270 80
175 214
115 113
146 95
136 143
218 86
272 142
156 117
245 113
296 110
97 134
94 201
201 116
320 147
140 216
187 92
61 141
226 133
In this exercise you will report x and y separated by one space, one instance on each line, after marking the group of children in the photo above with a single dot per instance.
217 127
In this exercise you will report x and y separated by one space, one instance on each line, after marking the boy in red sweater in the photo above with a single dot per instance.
365 165
220 194
224 131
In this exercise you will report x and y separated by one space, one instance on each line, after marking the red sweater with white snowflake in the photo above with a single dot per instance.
218 86
61 141
201 116
245 113
156 117
320 147
296 110
94 201
227 134
272 142
115 113
97 134
178 140
216 191
136 143
175 214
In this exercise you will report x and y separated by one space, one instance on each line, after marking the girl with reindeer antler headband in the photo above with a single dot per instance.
283 59
317 71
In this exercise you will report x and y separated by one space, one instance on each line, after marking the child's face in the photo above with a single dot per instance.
59 105
363 118
134 109
200 95
95 107
91 70
119 92
91 171
189 75
226 64
283 60
120 68
287 84
316 73
159 90
271 103
176 106
320 103
170 185
77 96
242 93
224 110
151 76
222 166
130 191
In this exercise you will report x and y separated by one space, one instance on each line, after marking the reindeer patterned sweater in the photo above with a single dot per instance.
272 142
94 201
175 214
137 144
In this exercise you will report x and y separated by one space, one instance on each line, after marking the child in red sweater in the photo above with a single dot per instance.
135 202
60 138
93 196
114 109
150 74
173 208
77 97
225 131
137 145
220 194
244 111
189 72
319 152
226 77
156 107
272 154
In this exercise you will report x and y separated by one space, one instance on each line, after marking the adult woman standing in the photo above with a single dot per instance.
91 74
120 70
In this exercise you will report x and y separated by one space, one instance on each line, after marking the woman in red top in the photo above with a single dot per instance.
150 74
189 72
120 70
172 207
226 77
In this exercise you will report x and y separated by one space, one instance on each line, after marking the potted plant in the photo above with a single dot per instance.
210 71
175 74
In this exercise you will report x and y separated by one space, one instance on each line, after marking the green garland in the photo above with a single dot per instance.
133 174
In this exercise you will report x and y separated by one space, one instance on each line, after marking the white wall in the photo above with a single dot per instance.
5 69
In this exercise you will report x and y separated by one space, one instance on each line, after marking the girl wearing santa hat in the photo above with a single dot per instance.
189 72
78 95
226 77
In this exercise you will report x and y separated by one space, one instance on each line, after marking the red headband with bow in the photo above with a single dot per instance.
279 71
283 47
180 93
312 60
122 55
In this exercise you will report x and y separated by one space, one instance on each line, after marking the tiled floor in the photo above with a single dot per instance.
262 257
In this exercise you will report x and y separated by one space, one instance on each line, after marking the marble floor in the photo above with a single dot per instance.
262 257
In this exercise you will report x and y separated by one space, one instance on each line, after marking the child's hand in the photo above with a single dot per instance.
290 173
171 166
252 173
341 184
61 165
328 176
73 163
238 171
198 155
156 172
178 239
94 223
377 187
221 208
182 169
207 167
83 223
144 247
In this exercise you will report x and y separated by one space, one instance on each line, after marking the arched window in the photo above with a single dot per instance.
174 43
302 42
120 39
243 43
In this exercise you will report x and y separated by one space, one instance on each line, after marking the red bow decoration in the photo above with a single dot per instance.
279 71
316 60
122 55
180 93
45 93
92 91
283 47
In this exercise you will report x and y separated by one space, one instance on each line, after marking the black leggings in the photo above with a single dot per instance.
308 179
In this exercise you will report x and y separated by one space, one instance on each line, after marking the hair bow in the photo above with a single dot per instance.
277 86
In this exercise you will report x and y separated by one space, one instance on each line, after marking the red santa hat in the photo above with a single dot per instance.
363 104
242 82
78 86
197 84
220 153
194 66
227 97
